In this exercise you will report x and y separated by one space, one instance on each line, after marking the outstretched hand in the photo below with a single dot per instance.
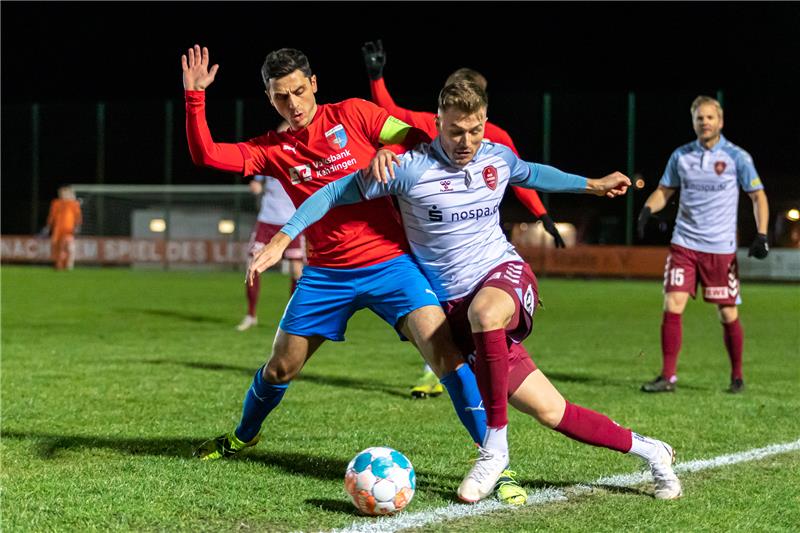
374 58
196 74
381 168
615 184
268 256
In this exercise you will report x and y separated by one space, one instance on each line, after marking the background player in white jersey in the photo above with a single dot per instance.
449 192
275 208
709 172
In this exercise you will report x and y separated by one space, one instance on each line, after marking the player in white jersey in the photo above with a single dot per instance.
449 192
709 173
275 209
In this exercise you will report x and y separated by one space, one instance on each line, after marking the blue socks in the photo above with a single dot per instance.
463 390
263 397
260 400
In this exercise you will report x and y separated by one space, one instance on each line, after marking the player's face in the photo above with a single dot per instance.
707 123
460 134
292 96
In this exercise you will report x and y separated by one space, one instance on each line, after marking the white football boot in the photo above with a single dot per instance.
247 323
668 486
482 478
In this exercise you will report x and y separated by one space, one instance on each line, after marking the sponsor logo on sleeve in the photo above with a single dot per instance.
755 182
337 137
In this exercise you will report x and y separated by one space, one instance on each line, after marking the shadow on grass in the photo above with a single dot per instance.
49 446
294 463
175 314
334 506
333 381
631 383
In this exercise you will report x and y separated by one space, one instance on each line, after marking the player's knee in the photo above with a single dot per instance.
675 302
549 415
277 372
728 313
485 318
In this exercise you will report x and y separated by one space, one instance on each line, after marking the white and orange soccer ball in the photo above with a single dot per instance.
380 481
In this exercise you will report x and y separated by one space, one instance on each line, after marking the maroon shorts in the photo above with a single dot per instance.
516 279
262 234
717 273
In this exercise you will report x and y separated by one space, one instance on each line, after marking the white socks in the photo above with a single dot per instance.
644 447
496 439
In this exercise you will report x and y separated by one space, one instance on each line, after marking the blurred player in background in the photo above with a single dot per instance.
64 222
357 257
488 292
275 208
709 173
375 61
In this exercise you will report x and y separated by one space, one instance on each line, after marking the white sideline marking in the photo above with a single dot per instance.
454 511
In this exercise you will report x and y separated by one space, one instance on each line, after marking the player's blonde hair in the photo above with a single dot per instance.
702 100
467 74
465 95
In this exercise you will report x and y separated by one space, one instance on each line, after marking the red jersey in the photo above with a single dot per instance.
427 123
341 139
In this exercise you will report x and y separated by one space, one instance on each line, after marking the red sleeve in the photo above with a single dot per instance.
205 152
528 197
381 96
531 200
496 134
419 119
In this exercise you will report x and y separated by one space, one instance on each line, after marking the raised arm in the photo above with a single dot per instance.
205 152
550 179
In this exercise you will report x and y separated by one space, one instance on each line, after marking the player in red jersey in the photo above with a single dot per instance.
357 255
375 60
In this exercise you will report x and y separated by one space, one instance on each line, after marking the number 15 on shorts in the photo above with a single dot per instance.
675 277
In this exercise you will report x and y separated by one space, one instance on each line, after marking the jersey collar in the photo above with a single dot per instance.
442 155
720 144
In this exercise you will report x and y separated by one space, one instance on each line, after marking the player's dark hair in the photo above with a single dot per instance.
464 95
467 74
283 62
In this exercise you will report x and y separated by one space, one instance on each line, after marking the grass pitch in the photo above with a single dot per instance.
110 378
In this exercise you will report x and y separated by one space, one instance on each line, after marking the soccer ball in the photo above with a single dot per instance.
380 481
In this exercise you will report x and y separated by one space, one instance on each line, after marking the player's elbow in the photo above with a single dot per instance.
201 158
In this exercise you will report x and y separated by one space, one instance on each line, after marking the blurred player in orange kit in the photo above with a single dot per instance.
64 221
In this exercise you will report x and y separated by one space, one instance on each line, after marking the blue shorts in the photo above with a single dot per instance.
326 298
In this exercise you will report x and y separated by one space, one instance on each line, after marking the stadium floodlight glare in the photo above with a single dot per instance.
226 226
793 215
158 225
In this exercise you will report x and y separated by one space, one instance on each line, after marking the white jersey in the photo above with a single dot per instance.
451 215
276 207
709 200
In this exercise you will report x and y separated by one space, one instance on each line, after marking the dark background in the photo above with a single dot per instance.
67 57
